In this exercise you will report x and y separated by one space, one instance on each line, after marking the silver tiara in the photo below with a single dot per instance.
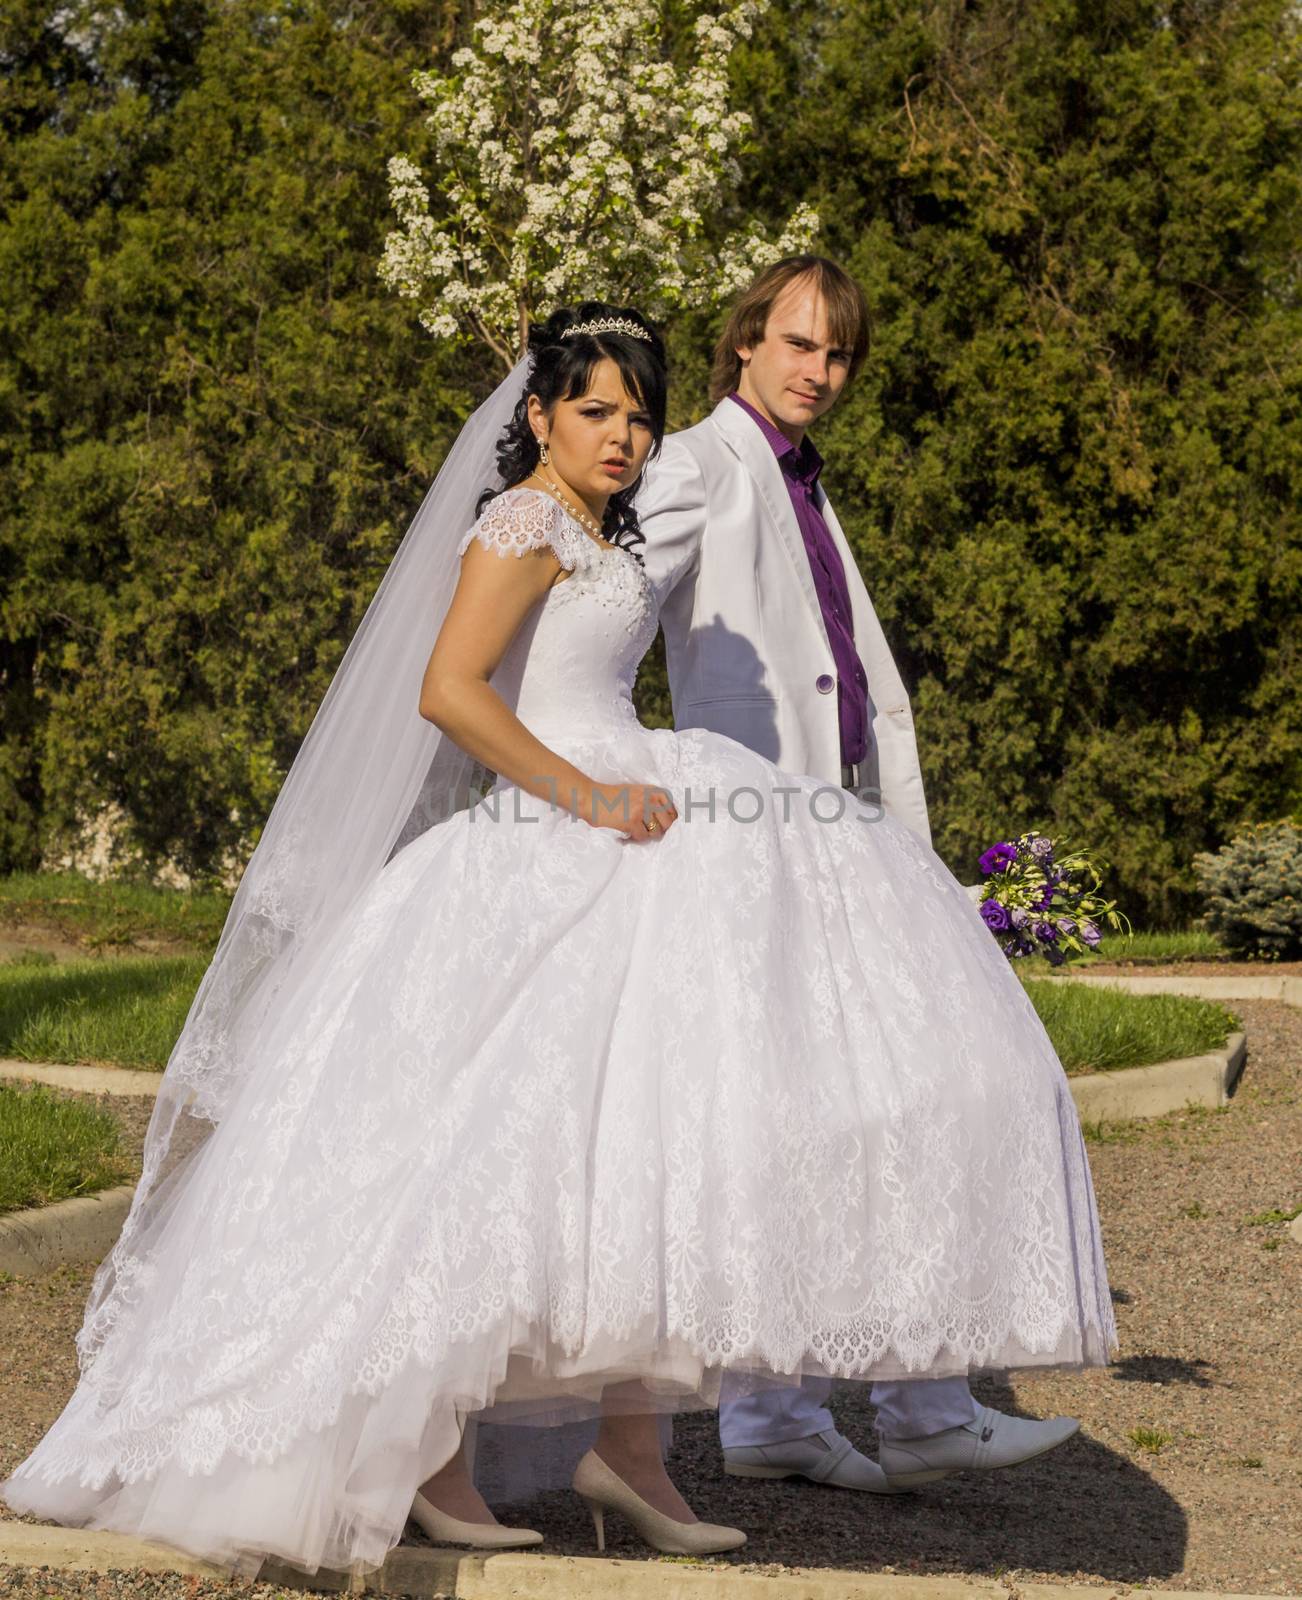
609 325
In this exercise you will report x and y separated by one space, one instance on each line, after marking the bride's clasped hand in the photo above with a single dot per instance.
642 811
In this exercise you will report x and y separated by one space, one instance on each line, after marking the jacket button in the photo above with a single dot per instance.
825 683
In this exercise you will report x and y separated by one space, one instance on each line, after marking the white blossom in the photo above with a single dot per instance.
574 161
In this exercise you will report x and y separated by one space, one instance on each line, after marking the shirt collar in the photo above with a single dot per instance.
802 462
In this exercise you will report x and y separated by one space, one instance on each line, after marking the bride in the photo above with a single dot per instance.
559 1100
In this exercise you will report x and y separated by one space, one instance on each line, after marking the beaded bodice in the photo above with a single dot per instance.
568 673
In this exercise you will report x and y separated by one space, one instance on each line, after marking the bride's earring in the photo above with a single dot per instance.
542 451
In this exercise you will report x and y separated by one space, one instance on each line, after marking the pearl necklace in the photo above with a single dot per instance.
581 517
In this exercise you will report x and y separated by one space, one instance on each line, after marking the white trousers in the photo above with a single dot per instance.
906 1409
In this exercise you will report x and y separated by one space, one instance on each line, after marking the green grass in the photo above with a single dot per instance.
1151 1440
1177 945
1103 1030
113 917
51 1148
1271 1219
126 1012
1144 949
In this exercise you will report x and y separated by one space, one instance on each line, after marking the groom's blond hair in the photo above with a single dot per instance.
847 316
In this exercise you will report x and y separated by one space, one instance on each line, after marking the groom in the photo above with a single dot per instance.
771 639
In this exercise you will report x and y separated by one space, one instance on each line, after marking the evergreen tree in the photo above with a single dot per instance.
1070 471
217 422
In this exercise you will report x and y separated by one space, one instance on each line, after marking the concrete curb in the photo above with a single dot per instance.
1170 1085
26 1544
92 1080
1164 1086
1283 986
518 1575
82 1229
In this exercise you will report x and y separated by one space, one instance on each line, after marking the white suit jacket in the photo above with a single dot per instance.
746 647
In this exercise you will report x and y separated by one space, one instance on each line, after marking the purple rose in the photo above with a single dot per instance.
994 916
1042 848
1066 925
1045 931
1090 934
1020 918
998 858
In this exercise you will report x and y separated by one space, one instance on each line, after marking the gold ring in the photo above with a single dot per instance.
652 825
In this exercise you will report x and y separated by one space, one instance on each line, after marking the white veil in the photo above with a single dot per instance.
370 775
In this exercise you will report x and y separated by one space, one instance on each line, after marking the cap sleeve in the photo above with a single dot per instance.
528 519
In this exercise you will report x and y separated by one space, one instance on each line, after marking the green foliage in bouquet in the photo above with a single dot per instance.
1040 903
1253 890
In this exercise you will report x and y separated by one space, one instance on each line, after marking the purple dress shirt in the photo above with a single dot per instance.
800 468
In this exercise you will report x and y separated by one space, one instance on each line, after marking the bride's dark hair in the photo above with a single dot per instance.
562 370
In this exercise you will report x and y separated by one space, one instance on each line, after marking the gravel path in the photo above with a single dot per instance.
1208 1306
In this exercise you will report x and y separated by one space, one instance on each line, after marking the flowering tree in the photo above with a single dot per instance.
575 161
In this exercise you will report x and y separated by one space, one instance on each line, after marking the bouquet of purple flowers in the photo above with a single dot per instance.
1038 905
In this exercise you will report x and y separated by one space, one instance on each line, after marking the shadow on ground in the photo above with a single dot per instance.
1082 1510
1163 1369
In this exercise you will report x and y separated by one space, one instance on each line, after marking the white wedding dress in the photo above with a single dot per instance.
567 1108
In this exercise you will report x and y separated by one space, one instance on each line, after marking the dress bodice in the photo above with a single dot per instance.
568 673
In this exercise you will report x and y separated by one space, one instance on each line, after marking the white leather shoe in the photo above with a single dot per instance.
826 1457
992 1439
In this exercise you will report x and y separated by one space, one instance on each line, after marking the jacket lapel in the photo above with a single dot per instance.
745 440
885 686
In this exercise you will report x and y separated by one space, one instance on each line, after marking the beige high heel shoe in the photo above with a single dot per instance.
481 1535
602 1489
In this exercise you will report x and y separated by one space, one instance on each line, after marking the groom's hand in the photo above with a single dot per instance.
629 808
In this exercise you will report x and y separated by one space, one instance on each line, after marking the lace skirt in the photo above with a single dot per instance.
560 1109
